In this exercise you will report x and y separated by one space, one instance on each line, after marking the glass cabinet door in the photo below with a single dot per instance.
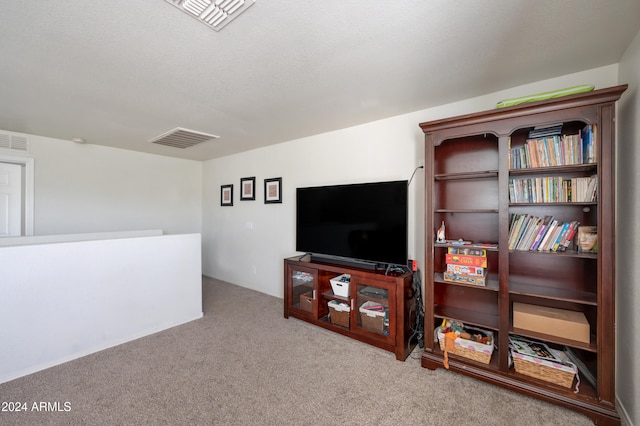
374 308
303 286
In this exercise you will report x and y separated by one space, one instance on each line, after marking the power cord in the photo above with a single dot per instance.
413 174
417 329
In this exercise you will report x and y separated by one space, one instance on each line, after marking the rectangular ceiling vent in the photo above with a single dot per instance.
14 141
182 138
213 13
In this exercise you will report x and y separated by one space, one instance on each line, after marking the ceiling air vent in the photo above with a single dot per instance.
182 138
14 141
213 13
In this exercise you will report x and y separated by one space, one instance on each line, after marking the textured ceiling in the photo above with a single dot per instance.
119 73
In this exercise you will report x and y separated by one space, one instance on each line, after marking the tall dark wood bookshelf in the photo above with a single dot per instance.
468 171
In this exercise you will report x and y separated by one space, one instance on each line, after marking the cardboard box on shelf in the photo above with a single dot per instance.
453 277
552 321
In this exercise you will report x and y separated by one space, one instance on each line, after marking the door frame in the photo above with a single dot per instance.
27 164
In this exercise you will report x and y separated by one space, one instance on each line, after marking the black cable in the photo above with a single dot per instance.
304 255
413 174
417 329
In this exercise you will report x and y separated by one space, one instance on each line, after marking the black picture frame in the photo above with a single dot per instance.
248 188
273 190
226 195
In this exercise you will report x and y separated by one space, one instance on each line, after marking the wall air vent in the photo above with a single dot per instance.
213 13
182 138
14 141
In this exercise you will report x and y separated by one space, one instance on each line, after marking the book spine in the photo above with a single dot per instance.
527 239
547 235
552 237
520 231
560 237
468 251
541 232
466 279
566 242
594 142
515 219
460 259
467 270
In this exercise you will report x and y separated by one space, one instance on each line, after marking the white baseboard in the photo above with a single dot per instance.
106 345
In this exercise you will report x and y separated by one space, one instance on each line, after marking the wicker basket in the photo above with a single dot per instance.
469 349
372 323
548 371
306 301
370 319
339 314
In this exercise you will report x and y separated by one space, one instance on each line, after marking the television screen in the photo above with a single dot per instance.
365 221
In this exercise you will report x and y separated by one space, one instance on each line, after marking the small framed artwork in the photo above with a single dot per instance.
226 195
587 239
272 190
247 188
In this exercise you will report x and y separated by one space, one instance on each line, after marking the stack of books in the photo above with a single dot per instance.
532 233
553 189
467 265
547 147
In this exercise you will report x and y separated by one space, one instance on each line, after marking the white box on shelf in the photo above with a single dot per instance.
339 306
340 285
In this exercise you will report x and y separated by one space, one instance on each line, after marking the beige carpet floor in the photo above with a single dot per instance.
244 364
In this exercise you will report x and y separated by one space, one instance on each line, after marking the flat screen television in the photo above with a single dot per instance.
364 223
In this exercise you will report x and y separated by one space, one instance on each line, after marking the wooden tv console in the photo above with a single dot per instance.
308 296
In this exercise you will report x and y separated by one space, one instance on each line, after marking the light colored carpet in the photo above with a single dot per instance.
244 364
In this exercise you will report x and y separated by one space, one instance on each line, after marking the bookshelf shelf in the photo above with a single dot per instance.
487 247
467 175
576 203
554 293
467 211
568 253
467 316
471 186
551 170
553 339
492 283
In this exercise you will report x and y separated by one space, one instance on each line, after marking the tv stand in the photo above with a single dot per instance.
389 323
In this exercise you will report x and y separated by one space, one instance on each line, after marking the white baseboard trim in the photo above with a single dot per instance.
35 368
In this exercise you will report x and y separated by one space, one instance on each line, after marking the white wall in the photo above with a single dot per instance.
61 301
91 188
245 244
627 250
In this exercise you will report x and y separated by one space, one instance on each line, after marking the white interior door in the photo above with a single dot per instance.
10 200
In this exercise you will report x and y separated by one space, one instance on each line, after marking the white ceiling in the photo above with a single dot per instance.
119 73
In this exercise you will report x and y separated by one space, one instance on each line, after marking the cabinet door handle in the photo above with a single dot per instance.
352 304
314 295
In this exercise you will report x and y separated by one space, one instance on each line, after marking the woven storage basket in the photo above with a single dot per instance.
548 371
373 323
339 315
469 349
306 301
371 320
297 290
